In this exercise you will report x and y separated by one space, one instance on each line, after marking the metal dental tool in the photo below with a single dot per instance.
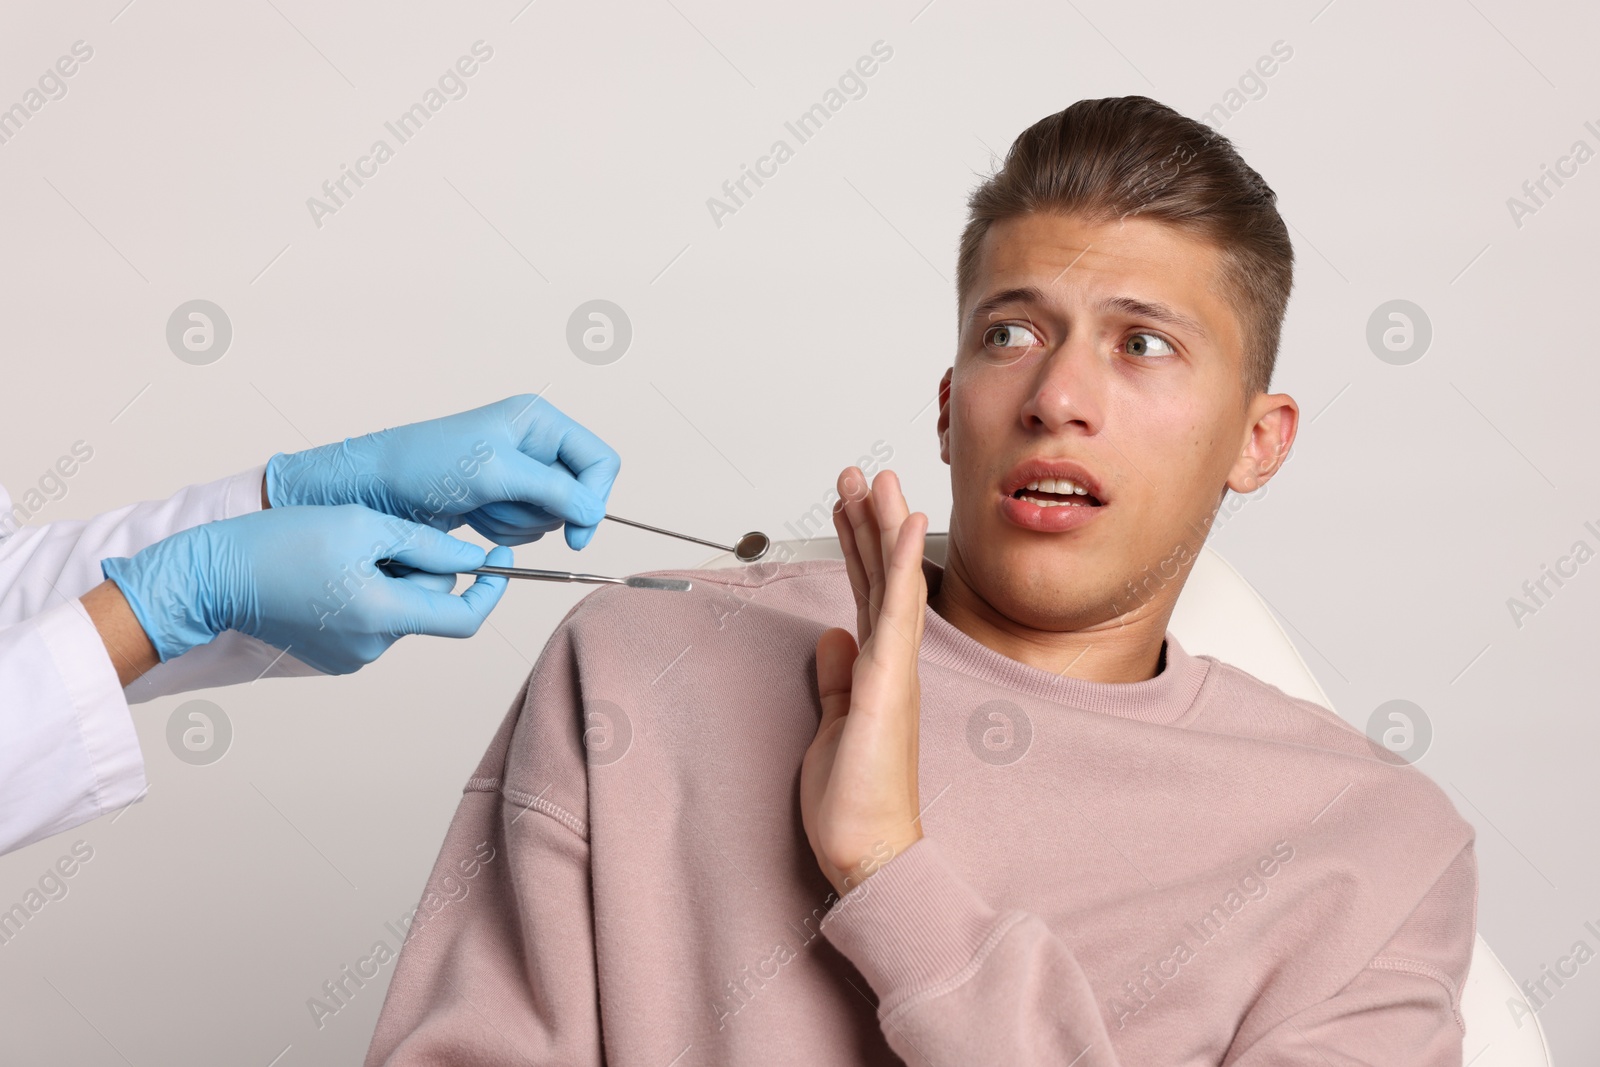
677 585
751 547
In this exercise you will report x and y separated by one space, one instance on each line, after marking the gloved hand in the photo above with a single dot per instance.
304 579
512 470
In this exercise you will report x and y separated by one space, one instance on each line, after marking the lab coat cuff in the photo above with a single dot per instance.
105 722
241 494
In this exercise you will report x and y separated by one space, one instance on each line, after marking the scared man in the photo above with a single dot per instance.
990 811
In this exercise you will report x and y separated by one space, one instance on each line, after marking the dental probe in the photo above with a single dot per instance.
634 581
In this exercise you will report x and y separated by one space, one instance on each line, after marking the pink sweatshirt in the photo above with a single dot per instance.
1192 869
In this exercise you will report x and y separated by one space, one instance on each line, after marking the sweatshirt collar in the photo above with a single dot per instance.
1166 699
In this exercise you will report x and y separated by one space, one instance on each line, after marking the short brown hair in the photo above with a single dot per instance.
1130 155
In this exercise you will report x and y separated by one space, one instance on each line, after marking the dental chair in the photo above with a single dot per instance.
1219 614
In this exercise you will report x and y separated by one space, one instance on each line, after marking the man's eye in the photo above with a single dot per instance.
1009 335
1137 345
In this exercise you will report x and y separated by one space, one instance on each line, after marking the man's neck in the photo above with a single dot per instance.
1127 649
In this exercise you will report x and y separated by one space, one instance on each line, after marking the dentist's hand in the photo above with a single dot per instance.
304 579
858 780
512 470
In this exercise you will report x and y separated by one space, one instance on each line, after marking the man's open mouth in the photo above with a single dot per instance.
1056 493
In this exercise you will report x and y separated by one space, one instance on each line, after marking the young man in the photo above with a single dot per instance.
1019 823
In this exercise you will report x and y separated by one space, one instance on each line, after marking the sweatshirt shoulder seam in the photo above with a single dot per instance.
1406 965
530 801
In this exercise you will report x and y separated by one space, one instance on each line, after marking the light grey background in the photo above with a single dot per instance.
767 354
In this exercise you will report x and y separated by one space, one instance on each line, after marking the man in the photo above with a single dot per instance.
1019 823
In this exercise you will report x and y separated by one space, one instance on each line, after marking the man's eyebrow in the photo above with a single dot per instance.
1128 305
1022 294
1144 309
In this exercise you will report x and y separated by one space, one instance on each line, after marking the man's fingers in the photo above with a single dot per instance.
836 656
854 568
889 506
869 543
870 526
904 598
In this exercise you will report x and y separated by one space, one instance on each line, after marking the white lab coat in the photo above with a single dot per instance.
68 749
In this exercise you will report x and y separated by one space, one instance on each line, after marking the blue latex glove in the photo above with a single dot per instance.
512 470
304 580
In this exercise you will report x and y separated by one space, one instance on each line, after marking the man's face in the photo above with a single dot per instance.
1091 368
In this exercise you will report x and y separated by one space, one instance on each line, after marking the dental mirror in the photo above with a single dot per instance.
751 547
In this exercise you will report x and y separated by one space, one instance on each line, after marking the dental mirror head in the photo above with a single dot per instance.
752 546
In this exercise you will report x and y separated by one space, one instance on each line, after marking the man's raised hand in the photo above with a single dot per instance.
858 781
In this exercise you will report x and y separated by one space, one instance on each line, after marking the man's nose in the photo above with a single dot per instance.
1068 387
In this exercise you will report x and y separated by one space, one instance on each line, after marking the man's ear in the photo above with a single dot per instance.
1274 419
944 415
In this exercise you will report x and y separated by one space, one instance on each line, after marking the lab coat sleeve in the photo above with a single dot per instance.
68 750
959 982
53 563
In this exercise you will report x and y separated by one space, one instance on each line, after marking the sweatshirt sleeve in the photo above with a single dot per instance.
1404 1006
959 982
498 964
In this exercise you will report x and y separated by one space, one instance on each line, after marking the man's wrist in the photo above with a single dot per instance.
265 503
883 850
